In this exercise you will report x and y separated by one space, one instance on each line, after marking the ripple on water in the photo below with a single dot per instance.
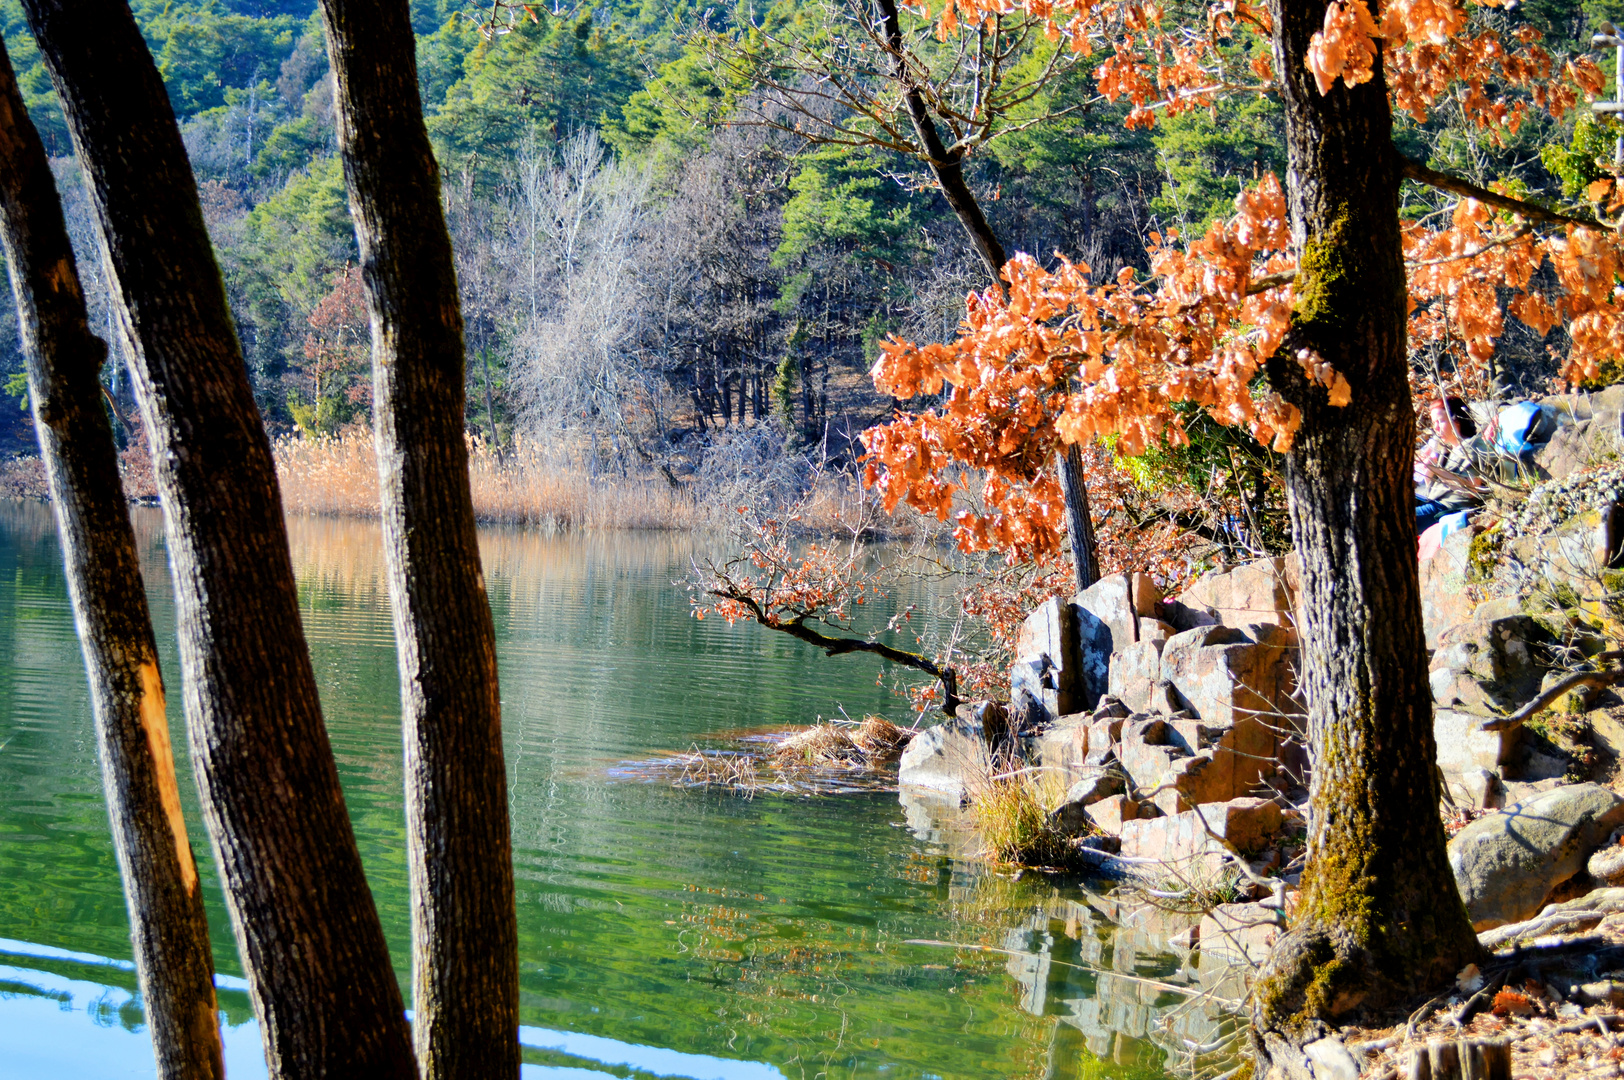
764 933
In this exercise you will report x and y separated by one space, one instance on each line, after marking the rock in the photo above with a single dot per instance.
1251 825
1135 671
1192 841
1476 788
1446 596
1572 558
1147 752
1231 682
1047 681
1111 708
1062 749
1107 622
1222 675
1098 785
1155 630
1256 592
1607 864
1109 813
1146 595
1490 666
954 755
1506 864
1331 1060
1463 745
1179 841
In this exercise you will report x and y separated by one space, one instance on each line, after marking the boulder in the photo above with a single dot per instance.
1463 745
1446 596
1062 748
955 755
1179 841
1135 671
1573 556
1607 864
1507 863
1155 629
1251 825
1109 813
1593 432
1491 665
1476 788
1106 621
1147 751
1243 933
1096 786
1256 592
1222 675
1046 681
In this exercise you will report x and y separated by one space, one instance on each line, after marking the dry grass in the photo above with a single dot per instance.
876 740
735 771
527 485
522 486
1012 812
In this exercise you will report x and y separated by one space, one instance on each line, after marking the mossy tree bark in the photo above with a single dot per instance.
465 963
1380 917
173 961
318 968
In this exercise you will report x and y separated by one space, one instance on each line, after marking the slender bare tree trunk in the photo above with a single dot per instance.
1379 918
318 968
167 926
465 962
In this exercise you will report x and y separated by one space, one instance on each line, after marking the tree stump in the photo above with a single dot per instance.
1465 1059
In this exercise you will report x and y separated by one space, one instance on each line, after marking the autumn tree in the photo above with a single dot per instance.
168 929
465 953
879 75
1290 319
335 359
319 975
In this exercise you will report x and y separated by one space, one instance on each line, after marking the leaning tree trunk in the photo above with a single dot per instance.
947 166
465 961
173 961
1379 916
318 968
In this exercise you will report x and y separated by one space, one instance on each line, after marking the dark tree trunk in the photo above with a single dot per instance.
947 166
1379 917
1079 526
465 958
318 968
167 927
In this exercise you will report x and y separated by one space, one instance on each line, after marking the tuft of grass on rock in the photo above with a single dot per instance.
1013 812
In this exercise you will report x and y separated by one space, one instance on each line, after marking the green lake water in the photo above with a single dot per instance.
663 931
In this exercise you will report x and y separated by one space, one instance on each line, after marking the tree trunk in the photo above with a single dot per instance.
1380 918
167 926
947 166
465 957
318 968
1079 526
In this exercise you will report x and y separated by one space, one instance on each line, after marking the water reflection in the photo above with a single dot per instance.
661 929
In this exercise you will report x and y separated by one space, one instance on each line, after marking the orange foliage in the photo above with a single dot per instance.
1067 359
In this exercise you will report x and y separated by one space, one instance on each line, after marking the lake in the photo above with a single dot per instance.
663 931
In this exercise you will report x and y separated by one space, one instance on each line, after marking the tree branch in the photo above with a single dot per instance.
1418 172
838 646
1598 679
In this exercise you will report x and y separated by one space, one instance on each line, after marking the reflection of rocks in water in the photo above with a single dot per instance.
935 819
1109 982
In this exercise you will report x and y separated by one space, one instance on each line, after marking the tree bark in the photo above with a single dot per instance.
1079 526
318 968
168 930
1379 917
465 961
946 165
